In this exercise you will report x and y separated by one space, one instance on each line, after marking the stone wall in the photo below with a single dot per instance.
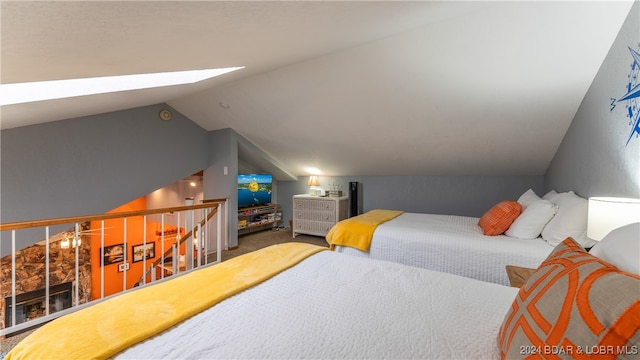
30 268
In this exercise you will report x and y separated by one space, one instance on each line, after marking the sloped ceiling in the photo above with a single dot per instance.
351 88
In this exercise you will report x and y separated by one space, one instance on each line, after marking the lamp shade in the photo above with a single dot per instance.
608 213
313 181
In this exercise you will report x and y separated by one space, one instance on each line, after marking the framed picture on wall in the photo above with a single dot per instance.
140 252
113 254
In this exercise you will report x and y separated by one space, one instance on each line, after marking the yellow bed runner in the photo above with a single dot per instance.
357 231
103 330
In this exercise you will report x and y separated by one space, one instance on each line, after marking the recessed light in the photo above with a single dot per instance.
19 93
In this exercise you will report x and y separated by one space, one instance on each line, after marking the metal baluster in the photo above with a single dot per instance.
13 278
205 236
219 234
178 236
124 256
199 248
144 246
102 259
162 246
46 270
77 275
175 264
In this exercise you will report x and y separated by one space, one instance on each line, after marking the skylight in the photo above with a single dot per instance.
59 89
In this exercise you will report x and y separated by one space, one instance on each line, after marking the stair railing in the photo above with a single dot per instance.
159 264
43 242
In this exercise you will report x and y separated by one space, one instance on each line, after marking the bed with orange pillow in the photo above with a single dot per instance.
448 243
518 232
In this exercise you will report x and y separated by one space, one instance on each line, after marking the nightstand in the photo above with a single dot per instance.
519 275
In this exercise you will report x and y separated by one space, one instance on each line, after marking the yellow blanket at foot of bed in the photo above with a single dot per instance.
357 231
103 330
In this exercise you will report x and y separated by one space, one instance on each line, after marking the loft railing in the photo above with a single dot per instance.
160 264
185 237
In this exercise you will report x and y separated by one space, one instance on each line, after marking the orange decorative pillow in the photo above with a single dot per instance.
574 306
498 219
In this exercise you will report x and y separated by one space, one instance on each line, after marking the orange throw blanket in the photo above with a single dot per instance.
357 231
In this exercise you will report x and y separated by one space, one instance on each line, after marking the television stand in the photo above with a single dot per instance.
258 218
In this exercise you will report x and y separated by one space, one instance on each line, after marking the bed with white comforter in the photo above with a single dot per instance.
334 306
452 244
300 301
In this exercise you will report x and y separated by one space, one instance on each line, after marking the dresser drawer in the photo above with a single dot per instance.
312 227
315 215
315 205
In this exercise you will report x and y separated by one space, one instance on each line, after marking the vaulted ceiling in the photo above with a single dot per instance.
348 87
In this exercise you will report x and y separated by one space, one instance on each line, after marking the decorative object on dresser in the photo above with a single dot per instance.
315 215
257 218
335 190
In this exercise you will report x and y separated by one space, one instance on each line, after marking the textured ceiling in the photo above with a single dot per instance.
352 88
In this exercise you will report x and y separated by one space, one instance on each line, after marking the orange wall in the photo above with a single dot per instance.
114 235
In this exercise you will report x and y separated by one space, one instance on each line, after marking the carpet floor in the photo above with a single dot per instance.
246 243
259 240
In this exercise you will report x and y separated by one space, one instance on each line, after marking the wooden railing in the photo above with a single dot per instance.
160 263
209 220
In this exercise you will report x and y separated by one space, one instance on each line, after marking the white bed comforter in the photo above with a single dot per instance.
336 306
453 244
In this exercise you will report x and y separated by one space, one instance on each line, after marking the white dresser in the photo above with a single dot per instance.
315 215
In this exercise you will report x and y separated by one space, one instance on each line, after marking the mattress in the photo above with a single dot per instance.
452 244
336 306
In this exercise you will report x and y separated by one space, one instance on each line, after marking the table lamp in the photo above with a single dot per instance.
313 184
608 213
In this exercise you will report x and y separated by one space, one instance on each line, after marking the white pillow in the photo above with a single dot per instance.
528 197
532 220
621 248
553 196
569 221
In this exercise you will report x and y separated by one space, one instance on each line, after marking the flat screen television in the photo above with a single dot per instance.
254 189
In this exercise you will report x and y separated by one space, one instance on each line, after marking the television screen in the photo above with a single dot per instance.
254 189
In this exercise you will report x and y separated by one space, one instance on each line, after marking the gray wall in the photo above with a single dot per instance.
453 195
594 158
217 184
93 164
